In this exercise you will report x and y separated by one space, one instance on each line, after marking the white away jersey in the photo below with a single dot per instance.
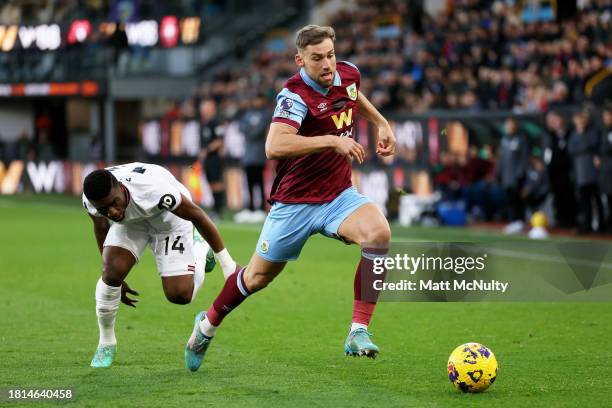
153 193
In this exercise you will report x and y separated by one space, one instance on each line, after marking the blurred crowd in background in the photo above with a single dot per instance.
568 169
478 57
58 11
474 57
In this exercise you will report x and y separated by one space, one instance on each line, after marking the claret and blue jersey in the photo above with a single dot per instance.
312 193
315 111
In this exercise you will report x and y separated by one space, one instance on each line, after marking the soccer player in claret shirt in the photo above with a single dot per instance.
312 137
138 205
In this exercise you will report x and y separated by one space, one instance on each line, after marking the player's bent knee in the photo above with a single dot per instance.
179 298
179 294
378 234
116 264
113 272
178 289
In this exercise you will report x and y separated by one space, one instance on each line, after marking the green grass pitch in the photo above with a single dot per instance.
284 346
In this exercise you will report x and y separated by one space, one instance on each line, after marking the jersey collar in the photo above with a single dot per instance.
314 85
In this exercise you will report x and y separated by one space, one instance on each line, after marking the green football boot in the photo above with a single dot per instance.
210 261
196 345
210 255
104 356
358 344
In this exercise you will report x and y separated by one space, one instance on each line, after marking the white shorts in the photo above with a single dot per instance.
174 251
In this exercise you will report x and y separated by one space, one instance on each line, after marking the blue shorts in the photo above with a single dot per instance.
289 226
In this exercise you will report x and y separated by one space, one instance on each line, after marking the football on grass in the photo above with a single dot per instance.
472 367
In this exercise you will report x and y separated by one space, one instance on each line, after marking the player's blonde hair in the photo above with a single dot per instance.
313 34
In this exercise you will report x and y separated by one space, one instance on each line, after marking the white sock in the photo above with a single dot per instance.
199 253
107 304
207 328
227 263
355 326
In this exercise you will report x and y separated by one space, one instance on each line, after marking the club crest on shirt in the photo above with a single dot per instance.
351 90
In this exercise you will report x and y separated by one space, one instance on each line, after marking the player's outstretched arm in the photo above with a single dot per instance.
101 227
386 138
187 210
284 142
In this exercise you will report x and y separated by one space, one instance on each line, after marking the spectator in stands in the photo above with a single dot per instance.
482 197
473 55
536 186
479 172
449 177
254 126
118 42
211 153
605 168
511 171
584 147
559 95
559 166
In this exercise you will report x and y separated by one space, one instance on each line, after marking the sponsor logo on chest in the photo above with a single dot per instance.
345 118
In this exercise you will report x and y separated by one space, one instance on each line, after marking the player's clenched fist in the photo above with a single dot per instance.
349 148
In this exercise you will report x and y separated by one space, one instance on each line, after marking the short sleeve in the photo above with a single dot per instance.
357 72
166 197
350 64
290 109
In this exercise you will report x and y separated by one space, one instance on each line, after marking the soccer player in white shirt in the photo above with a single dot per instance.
136 205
